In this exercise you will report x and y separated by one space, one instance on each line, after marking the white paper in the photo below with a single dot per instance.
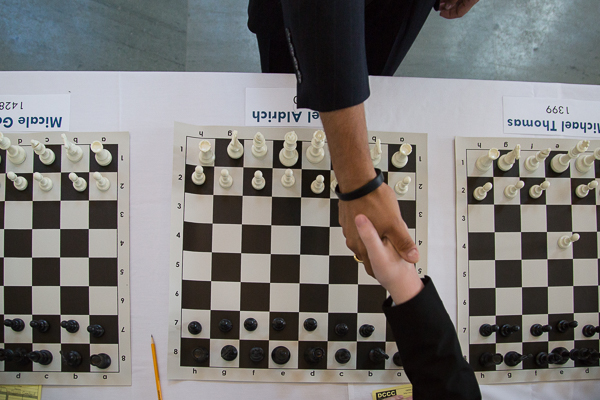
277 107
35 113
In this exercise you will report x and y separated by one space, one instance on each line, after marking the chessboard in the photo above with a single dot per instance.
262 285
64 266
528 217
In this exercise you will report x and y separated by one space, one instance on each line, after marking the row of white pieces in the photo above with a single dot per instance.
535 191
46 184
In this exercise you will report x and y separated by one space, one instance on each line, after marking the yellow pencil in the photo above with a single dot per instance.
156 369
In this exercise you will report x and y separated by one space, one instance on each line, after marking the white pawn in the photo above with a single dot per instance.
103 156
235 149
206 156
401 187
78 183
481 192
19 182
259 147
560 162
507 161
584 190
315 152
376 153
511 190
485 162
47 156
536 190
317 186
288 180
44 182
258 182
533 162
225 180
565 241
400 158
198 177
333 183
16 154
102 183
288 156
585 162
74 152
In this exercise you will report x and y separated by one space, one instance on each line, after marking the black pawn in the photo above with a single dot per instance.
310 324
225 325
366 330
313 355
538 329
565 355
20 356
6 355
72 358
200 354
507 330
377 355
95 330
41 325
257 354
278 324
71 325
542 359
590 330
43 357
490 360
512 358
194 327
592 358
16 324
563 326
250 324
229 353
341 329
342 356
397 360
280 355
101 360
487 329
577 354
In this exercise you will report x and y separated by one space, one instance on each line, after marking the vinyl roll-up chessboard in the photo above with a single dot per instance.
278 254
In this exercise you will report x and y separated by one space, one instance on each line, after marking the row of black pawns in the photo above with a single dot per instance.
537 329
559 355
44 357
43 326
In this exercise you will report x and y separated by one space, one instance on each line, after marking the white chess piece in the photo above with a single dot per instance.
78 183
235 149
288 180
225 180
536 190
288 156
102 182
259 147
333 183
585 162
376 152
400 158
584 190
74 152
19 182
103 156
507 161
533 162
511 191
44 182
560 162
485 162
481 192
206 155
565 241
15 154
198 177
401 187
315 152
317 186
47 156
258 181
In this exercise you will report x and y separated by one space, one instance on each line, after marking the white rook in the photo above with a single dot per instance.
400 158
484 162
206 155
103 156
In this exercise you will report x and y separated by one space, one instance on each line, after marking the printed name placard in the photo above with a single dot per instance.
35 113
277 107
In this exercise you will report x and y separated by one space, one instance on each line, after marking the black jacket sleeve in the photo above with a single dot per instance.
429 348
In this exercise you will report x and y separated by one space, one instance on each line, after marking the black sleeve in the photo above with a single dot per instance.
429 348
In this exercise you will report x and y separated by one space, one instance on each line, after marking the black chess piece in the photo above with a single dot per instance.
512 358
250 324
96 330
487 329
194 327
507 330
200 354
366 330
342 356
313 355
278 324
101 360
578 354
377 355
310 324
590 330
257 354
16 324
341 329
490 360
6 355
280 355
42 357
542 359
538 329
225 325
592 358
20 356
41 325
565 355
72 358
397 360
229 353
563 326
70 326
